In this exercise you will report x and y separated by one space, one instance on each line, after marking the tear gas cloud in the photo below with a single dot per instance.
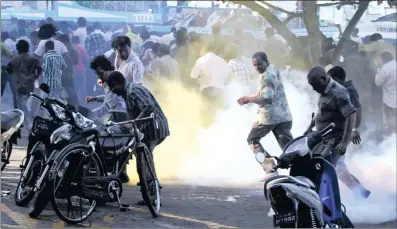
219 154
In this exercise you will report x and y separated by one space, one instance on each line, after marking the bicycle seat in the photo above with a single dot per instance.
10 119
110 143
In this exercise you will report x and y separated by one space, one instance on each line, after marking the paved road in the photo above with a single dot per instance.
183 206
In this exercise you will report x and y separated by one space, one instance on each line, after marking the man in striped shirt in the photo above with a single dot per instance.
53 66
140 104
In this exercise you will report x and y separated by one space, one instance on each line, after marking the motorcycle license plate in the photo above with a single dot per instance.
43 126
284 218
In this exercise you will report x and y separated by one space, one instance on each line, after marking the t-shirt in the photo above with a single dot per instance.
271 87
334 106
59 47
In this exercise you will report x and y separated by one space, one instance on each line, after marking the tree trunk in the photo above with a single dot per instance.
281 28
362 7
312 24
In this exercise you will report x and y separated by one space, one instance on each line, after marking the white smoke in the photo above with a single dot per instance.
224 157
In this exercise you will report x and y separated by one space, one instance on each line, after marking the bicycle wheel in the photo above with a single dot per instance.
66 197
5 154
150 186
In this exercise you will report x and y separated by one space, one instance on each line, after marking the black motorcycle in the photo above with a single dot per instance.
52 129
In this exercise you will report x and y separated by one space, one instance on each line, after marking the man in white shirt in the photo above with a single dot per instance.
98 29
47 33
386 78
108 33
5 77
127 61
355 36
166 39
81 31
211 70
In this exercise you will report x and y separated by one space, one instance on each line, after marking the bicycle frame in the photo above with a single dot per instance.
133 146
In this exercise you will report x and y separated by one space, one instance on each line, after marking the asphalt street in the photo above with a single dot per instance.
183 206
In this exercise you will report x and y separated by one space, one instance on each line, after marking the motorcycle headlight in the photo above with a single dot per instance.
63 132
82 121
298 145
59 112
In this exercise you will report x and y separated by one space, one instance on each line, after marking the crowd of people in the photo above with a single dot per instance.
87 63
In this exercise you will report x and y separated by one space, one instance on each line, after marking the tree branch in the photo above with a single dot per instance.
280 9
337 3
289 18
348 30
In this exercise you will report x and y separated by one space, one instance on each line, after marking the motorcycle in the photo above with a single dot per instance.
11 125
71 131
309 197
52 130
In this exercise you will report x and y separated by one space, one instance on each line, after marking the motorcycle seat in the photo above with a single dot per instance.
300 180
307 181
10 119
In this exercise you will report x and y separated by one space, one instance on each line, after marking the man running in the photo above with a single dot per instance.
338 74
274 113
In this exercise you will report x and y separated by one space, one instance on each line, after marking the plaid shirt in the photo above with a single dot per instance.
137 99
95 45
239 71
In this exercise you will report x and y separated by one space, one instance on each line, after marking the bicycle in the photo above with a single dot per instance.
83 170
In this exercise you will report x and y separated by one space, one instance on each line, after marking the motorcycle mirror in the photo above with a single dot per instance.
260 157
44 87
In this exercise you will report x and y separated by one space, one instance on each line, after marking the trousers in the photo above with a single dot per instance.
282 133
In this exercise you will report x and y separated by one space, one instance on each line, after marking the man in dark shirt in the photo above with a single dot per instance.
140 104
333 107
338 74
26 69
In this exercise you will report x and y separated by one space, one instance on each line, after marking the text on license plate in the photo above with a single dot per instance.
284 218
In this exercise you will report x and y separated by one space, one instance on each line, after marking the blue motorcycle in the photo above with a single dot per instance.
309 197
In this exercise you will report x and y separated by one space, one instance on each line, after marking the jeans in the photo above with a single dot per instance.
391 118
90 83
22 100
80 79
213 101
71 91
346 177
282 133
5 77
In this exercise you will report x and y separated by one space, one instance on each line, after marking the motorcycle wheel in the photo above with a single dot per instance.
5 154
57 186
150 186
24 191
